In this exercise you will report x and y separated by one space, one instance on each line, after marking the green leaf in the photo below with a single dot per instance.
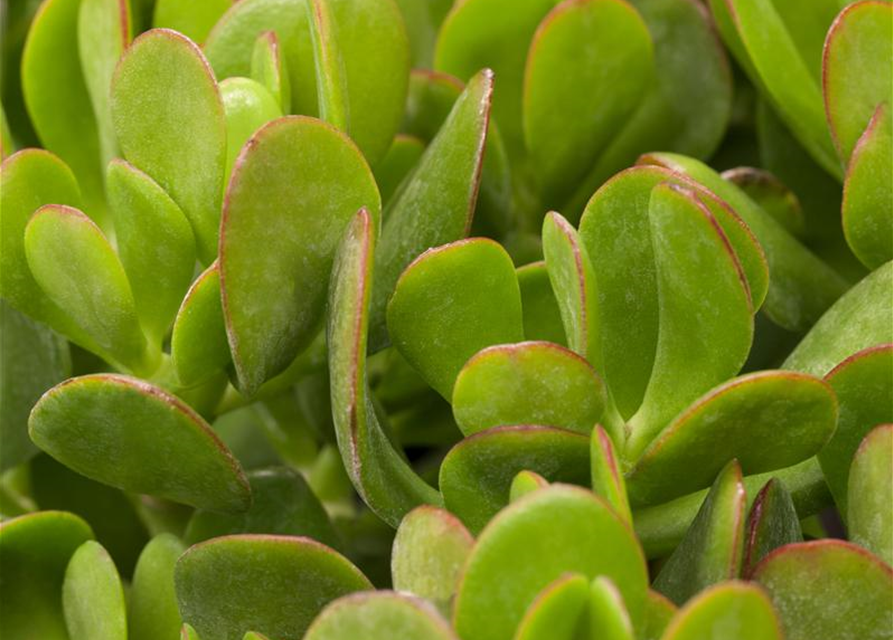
378 616
771 195
476 475
607 475
767 420
92 596
273 584
555 530
705 311
658 613
78 269
120 430
428 554
7 147
153 613
199 345
32 359
188 633
401 158
588 67
423 21
868 195
193 19
869 518
528 383
861 34
828 588
772 523
273 280
331 86
57 98
162 87
557 611
281 504
248 106
542 316
712 548
608 618
155 243
436 205
450 303
525 482
268 67
863 384
736 610
34 552
379 472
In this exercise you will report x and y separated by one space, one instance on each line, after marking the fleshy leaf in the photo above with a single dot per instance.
273 279
736 610
422 22
477 474
869 519
533 542
379 616
400 160
153 613
34 552
331 86
767 420
162 87
863 384
155 243
275 585
7 147
658 613
608 617
93 597
828 588
526 482
771 195
772 523
248 106
589 65
188 633
450 303
557 611
429 551
121 430
78 269
378 471
269 68
607 475
542 317
712 548
193 19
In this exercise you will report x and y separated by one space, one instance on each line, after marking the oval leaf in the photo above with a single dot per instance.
772 523
153 613
248 106
93 597
557 610
740 610
871 492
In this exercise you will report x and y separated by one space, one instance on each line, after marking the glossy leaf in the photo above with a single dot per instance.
248 106
706 325
450 303
476 475
275 585
557 611
34 552
864 387
163 86
732 610
828 587
273 280
378 616
268 67
542 316
93 597
767 420
193 19
772 523
118 430
589 65
535 541
281 504
436 205
861 35
380 474
156 245
77 268
711 550
607 474
153 613
429 551
871 493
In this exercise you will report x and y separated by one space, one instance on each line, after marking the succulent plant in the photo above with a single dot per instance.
413 319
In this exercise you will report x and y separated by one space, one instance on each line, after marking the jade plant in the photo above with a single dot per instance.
422 320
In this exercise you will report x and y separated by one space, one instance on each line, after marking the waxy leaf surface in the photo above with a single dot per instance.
193 19
607 473
557 611
772 523
730 610
248 106
93 597
869 518
269 68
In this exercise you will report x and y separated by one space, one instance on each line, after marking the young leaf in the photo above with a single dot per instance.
828 588
120 430
429 551
153 613
772 523
155 243
607 476
737 610
658 613
712 548
477 474
193 19
163 86
278 238
542 316
525 482
869 519
92 596
771 195
248 106
450 303
34 552
273 584
608 617
557 611
557 530
268 68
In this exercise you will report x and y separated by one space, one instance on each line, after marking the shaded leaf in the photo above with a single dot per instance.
397 164
153 613
607 474
542 317
734 610
193 19
869 519
771 195
772 523
268 67
93 597
658 613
